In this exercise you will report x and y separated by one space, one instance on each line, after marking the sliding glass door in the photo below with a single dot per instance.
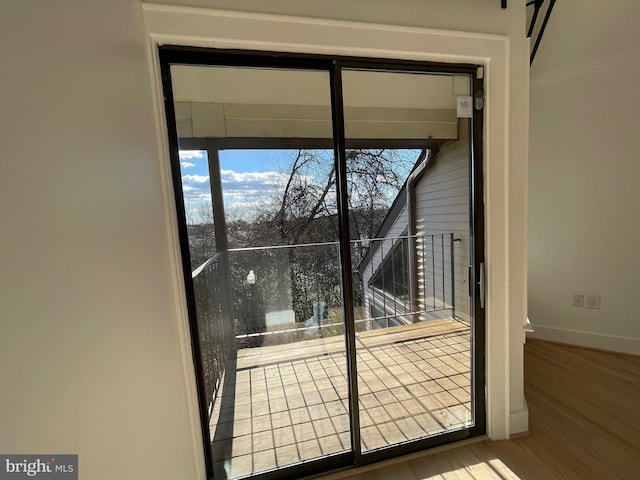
326 209
409 212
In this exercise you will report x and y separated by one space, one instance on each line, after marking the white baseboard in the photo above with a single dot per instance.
580 338
519 421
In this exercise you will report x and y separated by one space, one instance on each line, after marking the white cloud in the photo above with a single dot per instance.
243 192
198 198
197 194
191 154
195 179
187 164
249 180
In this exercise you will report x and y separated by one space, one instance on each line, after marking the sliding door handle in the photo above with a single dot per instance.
481 284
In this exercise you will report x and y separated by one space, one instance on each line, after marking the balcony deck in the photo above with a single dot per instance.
281 405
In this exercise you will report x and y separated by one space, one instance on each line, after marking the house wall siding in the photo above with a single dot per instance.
398 228
442 207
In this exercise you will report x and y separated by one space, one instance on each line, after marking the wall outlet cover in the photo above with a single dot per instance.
593 301
578 300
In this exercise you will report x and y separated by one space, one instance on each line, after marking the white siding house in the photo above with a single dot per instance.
440 230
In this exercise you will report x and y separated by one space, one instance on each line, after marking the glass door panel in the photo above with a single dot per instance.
282 396
408 164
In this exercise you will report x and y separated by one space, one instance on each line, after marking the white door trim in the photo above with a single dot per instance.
167 25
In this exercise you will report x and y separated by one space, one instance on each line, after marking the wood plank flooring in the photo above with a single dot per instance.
584 424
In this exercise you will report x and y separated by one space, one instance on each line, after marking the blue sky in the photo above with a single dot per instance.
250 178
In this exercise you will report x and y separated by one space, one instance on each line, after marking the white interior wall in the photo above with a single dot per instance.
90 356
481 16
91 350
584 171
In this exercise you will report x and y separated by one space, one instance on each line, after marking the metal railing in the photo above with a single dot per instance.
213 323
408 276
295 292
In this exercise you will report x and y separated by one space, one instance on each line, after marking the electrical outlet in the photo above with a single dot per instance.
578 300
593 301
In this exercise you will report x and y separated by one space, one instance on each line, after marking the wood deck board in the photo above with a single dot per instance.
251 357
286 404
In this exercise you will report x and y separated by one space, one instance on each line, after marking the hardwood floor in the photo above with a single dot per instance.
584 410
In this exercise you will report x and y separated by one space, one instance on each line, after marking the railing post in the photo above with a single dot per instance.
433 270
453 280
414 302
444 293
222 245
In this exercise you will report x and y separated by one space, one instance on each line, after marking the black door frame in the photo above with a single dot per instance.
334 65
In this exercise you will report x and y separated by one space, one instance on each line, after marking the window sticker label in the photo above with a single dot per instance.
465 107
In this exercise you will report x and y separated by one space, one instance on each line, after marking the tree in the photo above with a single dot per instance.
302 212
374 178
202 240
306 212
